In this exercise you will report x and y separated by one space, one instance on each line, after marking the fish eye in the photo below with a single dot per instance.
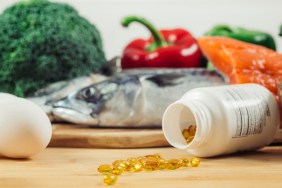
90 94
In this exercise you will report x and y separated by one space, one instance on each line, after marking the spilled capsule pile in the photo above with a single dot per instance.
189 133
143 163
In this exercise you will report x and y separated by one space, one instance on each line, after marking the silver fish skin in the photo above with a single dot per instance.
132 100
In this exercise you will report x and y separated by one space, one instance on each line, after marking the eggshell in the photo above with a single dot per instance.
25 129
6 98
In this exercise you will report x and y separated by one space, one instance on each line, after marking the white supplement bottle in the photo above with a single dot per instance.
228 119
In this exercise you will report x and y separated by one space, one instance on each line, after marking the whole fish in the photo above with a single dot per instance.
132 100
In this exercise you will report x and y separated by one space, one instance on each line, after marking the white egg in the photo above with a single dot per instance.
6 98
25 129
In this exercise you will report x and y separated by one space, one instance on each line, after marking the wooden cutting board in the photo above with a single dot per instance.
82 137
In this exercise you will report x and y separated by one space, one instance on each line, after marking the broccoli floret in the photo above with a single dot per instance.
42 42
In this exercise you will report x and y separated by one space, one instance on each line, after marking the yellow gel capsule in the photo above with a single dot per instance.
130 169
137 167
194 162
130 163
190 139
184 162
185 133
166 164
105 168
119 163
140 159
150 158
173 164
162 164
192 130
118 170
145 158
151 165
110 179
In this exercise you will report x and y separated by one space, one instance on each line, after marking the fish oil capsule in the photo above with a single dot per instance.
149 158
154 157
118 170
185 133
190 139
110 179
162 164
189 133
120 164
150 165
173 164
194 162
105 168
166 164
132 165
192 130
137 167
150 162
184 162
131 161
140 159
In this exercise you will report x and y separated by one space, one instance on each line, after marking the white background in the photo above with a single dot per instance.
197 16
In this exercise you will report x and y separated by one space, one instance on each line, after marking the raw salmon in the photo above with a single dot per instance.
243 62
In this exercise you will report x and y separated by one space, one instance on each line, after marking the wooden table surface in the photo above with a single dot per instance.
71 167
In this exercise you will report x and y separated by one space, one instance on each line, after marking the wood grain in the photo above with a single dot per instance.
76 136
83 137
73 167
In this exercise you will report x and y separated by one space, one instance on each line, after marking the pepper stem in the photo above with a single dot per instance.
158 39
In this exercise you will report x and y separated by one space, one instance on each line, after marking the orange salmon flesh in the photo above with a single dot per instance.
243 62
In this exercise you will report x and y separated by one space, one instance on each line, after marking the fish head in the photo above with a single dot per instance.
102 103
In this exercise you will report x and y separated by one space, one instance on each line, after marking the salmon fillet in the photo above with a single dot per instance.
243 62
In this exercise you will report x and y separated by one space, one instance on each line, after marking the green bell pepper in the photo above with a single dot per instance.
251 36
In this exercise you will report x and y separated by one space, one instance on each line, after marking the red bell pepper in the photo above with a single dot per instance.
166 48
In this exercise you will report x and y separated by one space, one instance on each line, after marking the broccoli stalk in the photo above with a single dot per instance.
42 42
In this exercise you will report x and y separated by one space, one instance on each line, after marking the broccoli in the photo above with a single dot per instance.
42 42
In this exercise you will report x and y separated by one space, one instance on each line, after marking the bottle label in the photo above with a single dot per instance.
251 111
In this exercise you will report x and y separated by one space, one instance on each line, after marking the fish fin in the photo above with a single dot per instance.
163 80
111 67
